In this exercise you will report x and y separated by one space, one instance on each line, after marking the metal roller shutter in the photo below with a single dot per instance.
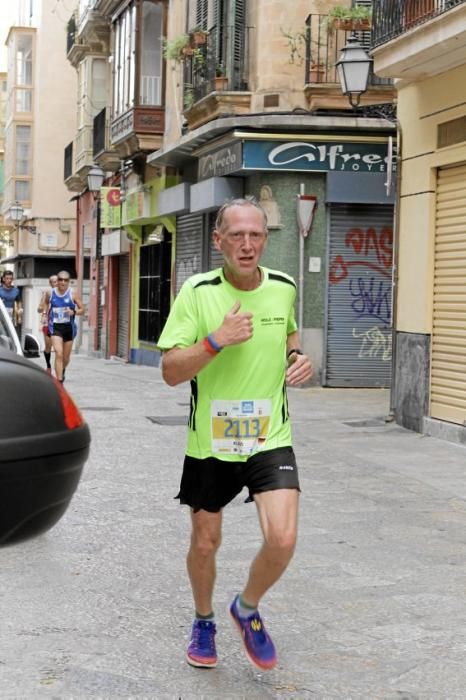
215 256
188 247
123 305
359 337
448 361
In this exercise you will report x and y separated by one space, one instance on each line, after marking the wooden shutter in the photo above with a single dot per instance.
202 13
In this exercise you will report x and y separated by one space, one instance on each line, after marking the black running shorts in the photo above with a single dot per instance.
211 483
63 330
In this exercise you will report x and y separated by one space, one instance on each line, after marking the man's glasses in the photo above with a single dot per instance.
63 279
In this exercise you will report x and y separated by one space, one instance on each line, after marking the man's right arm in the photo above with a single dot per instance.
182 364
44 302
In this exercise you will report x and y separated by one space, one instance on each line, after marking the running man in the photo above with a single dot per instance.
43 310
232 333
11 297
63 306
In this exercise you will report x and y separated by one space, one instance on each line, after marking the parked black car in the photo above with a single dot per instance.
44 444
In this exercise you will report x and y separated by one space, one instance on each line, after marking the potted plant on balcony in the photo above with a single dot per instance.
357 18
221 79
198 36
178 48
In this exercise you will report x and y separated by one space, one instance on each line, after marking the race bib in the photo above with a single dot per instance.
59 314
240 427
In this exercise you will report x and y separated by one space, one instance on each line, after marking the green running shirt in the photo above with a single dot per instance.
238 401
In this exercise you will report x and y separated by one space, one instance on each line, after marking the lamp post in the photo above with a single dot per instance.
354 68
95 180
16 213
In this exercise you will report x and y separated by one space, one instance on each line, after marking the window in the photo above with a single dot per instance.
23 100
99 85
23 150
226 21
22 190
151 55
124 60
24 60
138 37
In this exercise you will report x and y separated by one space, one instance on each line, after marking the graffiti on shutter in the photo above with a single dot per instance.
358 324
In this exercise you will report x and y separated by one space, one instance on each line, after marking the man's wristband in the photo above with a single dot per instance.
213 343
296 351
211 346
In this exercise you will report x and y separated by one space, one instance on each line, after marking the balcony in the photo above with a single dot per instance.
78 160
139 129
103 152
414 39
323 44
215 78
76 48
94 27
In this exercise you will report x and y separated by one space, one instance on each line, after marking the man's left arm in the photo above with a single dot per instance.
79 306
300 368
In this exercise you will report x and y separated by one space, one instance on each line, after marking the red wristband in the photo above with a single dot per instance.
211 350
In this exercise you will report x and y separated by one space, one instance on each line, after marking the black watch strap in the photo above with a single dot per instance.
296 351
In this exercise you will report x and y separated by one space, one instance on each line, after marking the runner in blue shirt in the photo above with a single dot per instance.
11 297
63 306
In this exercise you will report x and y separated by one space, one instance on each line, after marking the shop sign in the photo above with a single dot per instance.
136 207
319 156
221 162
110 207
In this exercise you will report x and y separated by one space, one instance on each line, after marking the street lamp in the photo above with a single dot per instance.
16 214
354 68
95 180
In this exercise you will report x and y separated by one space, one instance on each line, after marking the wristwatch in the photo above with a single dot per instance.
296 351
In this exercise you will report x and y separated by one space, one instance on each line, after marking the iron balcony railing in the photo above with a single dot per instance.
394 17
323 42
219 64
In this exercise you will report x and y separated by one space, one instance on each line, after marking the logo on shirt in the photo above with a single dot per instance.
286 467
272 321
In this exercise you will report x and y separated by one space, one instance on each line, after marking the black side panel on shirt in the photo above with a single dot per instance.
193 407
215 280
280 278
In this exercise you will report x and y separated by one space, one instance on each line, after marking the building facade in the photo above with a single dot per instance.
39 113
186 104
277 126
421 45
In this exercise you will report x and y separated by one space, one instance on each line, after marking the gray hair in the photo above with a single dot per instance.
240 202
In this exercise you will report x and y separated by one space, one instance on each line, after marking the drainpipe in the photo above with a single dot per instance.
395 258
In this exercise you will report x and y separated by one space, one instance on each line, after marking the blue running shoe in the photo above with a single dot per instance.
258 645
201 650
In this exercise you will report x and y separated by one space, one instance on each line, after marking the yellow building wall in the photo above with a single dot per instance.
422 106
